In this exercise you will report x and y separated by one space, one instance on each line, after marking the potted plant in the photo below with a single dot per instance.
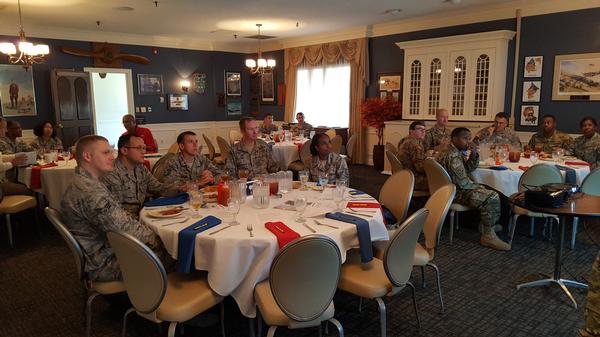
374 112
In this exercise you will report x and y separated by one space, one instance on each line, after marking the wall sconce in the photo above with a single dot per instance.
185 85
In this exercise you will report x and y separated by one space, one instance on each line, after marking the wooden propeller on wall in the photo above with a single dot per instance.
105 55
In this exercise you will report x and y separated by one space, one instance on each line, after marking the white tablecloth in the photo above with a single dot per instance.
235 262
507 181
285 153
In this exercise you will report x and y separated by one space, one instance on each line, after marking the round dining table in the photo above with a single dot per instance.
284 153
236 261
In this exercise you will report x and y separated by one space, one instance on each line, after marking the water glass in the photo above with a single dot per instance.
341 183
557 155
196 199
233 208
260 195
300 204
243 174
303 176
237 190
66 154
323 178
533 157
338 196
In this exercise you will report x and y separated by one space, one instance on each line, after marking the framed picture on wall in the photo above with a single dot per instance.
530 115
199 83
531 91
267 87
233 83
17 96
533 66
576 77
234 108
150 84
389 81
177 102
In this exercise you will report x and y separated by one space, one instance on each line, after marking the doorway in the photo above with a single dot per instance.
112 97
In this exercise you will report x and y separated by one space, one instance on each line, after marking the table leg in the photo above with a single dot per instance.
562 283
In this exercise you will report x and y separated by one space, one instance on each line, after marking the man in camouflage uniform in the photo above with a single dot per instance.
587 147
10 144
89 210
550 138
469 193
498 133
301 126
438 134
190 165
130 182
250 153
267 126
411 153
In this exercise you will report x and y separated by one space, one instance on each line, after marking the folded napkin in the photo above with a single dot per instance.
283 233
362 230
362 204
570 174
177 199
299 145
498 168
582 163
187 242
36 180
356 192
523 168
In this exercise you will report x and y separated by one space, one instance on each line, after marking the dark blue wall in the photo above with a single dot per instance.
173 64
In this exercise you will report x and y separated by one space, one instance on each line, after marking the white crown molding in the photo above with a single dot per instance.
456 39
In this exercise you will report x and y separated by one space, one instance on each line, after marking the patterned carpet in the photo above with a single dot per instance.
40 296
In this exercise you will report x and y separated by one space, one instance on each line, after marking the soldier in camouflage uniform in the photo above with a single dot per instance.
469 193
301 126
10 144
189 165
498 133
323 160
250 153
411 153
46 139
550 138
131 182
90 211
587 147
267 126
438 134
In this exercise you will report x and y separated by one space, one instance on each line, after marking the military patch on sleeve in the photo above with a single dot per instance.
456 163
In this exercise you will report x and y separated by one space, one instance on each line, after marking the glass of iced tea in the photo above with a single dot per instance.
225 177
196 199
243 173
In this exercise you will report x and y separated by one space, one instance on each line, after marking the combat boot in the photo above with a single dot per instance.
490 240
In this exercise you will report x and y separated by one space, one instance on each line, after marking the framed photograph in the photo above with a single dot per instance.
533 66
267 87
233 83
394 94
576 77
149 84
530 115
531 91
17 96
389 81
177 102
234 108
199 83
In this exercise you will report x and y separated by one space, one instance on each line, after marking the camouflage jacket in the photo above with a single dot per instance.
89 211
258 161
8 146
304 127
335 165
558 139
41 147
434 136
177 171
587 149
131 188
411 154
506 136
458 168
267 129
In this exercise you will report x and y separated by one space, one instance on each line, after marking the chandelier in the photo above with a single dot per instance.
25 53
260 65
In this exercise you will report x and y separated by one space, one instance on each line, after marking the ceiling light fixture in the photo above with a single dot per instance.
260 64
25 53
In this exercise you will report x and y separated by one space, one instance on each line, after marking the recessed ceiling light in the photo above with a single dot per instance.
123 8
395 11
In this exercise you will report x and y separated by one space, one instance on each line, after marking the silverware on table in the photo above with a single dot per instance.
167 219
218 230
249 228
362 210
309 228
324 224
173 223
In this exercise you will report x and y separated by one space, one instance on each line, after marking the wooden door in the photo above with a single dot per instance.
72 99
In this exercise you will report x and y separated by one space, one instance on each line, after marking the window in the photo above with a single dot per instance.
435 81
415 88
458 86
481 85
323 94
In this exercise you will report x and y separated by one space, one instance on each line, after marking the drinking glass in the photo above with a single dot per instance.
196 199
191 187
225 176
273 182
260 195
237 190
503 154
300 204
338 197
282 182
303 176
557 155
323 179
233 208
66 154
533 157
243 173
341 182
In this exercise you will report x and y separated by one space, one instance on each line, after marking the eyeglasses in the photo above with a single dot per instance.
141 147
419 129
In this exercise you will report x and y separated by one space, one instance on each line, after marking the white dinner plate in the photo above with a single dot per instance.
166 213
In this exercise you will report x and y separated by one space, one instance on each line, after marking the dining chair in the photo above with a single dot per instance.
394 161
391 147
234 137
537 175
331 133
224 148
174 148
12 204
158 170
336 144
210 146
437 177
302 282
396 193
350 148
156 296
91 288
591 183
387 277
304 154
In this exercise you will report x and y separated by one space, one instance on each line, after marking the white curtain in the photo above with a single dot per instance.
323 94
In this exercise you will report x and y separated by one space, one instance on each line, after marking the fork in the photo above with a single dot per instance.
362 210
249 228
173 223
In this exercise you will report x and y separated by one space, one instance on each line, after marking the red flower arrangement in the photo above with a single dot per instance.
375 111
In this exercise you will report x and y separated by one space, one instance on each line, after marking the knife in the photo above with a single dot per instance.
218 230
324 224
310 228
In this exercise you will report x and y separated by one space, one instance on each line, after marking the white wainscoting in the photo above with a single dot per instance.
166 133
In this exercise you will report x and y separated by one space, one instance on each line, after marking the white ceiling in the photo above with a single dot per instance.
214 22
